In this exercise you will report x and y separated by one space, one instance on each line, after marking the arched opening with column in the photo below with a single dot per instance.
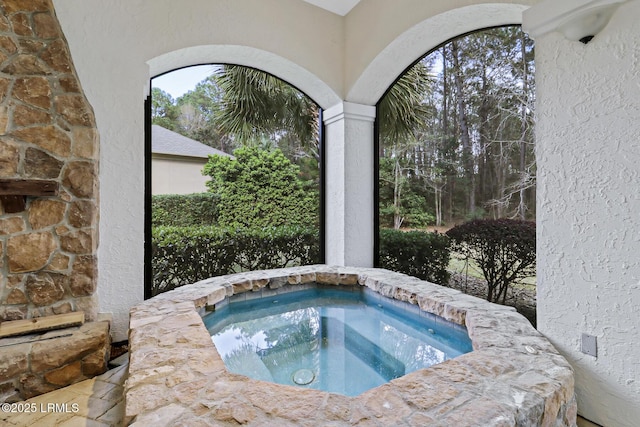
302 209
584 166
372 82
461 149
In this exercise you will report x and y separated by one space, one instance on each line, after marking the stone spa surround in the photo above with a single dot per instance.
513 377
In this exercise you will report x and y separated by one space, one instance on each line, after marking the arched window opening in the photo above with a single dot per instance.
252 144
455 143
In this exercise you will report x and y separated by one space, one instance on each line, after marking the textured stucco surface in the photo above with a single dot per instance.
349 189
588 154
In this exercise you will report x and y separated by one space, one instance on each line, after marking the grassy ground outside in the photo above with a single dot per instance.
470 268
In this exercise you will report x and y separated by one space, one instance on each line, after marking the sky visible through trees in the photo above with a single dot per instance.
456 130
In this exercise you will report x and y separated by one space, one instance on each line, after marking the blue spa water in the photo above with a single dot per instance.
336 340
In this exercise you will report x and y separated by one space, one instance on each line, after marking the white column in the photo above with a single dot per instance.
349 184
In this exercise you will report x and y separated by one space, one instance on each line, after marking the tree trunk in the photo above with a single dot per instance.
397 189
483 159
445 97
445 135
525 81
467 153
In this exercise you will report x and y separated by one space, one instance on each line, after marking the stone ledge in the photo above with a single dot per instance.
34 364
514 376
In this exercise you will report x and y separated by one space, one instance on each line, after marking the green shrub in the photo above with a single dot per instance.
416 253
183 255
504 249
184 210
260 188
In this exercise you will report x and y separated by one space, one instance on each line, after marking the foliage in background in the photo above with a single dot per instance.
238 106
504 249
199 109
260 188
183 255
254 104
471 152
402 109
164 111
416 253
183 210
413 211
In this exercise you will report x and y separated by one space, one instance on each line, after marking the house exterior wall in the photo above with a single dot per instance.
174 175
588 159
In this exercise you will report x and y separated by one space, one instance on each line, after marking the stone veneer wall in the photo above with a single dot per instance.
47 131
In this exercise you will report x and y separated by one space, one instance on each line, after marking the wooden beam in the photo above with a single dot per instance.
28 187
39 324
13 204
14 192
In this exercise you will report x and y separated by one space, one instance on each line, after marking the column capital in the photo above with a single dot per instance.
349 110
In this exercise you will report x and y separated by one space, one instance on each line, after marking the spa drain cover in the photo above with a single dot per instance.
303 376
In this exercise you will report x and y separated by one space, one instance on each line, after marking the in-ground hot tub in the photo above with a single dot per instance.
341 339
513 376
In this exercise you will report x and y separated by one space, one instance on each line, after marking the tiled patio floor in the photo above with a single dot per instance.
98 402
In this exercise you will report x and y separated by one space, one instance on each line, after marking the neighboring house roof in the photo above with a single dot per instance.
164 141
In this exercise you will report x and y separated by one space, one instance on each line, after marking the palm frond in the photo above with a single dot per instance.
402 109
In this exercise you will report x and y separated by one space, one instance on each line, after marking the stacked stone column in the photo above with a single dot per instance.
47 131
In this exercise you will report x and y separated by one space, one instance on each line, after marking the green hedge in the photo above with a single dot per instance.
183 255
416 253
184 210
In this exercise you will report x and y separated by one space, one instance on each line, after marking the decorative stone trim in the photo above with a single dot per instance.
34 364
514 376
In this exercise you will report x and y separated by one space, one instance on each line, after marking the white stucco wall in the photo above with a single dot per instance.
588 158
349 187
172 175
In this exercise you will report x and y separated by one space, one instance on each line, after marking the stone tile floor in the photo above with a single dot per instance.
98 402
